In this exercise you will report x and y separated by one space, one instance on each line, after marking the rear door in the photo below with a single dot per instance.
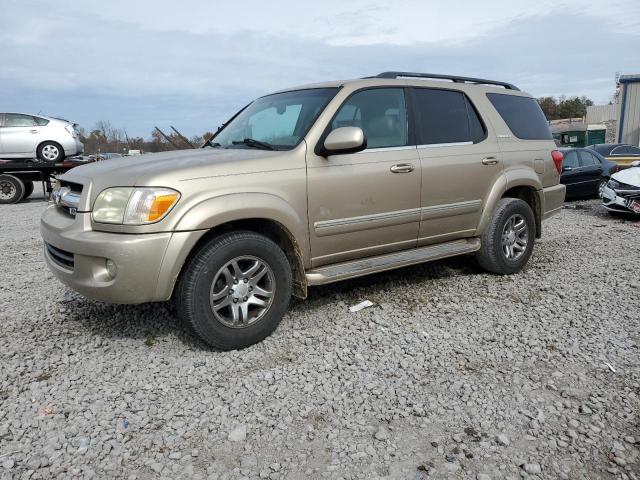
460 163
20 134
591 172
572 173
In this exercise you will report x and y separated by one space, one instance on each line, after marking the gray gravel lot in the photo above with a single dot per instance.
453 373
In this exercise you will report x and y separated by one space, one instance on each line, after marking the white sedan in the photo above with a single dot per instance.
25 136
622 192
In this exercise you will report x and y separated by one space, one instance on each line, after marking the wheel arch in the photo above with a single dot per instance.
531 197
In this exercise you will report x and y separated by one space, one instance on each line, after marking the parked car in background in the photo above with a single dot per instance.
619 153
28 137
585 172
622 192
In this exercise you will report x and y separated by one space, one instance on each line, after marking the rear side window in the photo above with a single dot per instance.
587 160
571 160
41 121
446 116
522 115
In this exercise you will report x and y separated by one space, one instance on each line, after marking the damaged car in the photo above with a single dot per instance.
622 192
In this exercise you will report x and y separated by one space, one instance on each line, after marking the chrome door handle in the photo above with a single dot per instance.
489 160
402 168
33 131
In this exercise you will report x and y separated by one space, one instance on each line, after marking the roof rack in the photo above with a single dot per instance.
453 78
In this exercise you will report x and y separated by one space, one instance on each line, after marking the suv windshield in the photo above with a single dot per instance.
275 122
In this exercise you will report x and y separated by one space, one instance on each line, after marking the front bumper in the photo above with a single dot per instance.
612 200
147 265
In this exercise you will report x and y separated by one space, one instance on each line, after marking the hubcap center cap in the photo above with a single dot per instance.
241 290
511 237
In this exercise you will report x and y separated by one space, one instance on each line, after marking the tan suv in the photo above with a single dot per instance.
309 186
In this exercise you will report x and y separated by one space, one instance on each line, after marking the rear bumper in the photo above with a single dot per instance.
552 200
147 265
72 147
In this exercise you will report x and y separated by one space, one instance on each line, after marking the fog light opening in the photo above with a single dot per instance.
112 269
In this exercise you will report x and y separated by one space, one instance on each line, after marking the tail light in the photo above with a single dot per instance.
557 157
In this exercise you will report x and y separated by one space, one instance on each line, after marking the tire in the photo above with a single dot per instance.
507 218
28 189
207 282
11 189
601 186
50 152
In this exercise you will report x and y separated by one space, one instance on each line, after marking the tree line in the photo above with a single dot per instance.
105 138
563 107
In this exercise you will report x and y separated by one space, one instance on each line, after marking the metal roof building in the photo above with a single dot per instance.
629 120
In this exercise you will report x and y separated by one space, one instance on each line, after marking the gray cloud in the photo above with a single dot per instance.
91 64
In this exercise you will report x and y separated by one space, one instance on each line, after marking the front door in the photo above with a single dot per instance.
460 164
20 134
591 172
366 203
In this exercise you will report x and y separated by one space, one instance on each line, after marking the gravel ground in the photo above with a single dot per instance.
452 373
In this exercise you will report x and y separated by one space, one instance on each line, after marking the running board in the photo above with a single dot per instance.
380 263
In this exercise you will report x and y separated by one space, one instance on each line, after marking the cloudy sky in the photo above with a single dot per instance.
193 63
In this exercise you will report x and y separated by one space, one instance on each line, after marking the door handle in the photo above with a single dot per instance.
33 131
402 168
489 160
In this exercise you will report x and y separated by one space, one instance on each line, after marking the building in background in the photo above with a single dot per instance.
629 118
622 118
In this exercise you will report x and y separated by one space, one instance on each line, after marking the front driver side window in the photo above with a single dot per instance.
380 112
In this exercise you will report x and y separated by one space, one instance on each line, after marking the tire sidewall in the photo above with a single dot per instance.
513 207
19 187
203 319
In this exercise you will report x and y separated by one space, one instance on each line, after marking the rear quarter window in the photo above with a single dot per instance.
522 115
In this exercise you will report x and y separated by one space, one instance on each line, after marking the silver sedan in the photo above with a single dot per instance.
25 136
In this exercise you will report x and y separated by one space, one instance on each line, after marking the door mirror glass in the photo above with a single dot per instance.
345 140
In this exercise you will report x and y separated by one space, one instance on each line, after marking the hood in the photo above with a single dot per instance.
630 176
166 169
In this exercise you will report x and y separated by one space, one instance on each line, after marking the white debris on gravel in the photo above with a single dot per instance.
457 374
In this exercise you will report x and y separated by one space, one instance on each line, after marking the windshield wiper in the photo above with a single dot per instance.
250 142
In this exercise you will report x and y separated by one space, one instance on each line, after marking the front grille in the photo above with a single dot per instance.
60 257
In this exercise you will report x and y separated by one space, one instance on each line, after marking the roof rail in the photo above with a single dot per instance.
453 78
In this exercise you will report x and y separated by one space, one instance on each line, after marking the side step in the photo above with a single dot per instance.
380 263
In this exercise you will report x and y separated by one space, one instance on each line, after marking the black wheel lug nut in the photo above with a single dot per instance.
235 300
245 280
245 299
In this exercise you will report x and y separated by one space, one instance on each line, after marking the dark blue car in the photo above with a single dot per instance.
585 172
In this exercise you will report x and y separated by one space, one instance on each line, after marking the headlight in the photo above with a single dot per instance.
133 206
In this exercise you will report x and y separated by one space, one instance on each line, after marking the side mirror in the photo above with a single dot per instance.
345 140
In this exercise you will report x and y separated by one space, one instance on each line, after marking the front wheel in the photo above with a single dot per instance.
507 242
601 185
235 290
50 152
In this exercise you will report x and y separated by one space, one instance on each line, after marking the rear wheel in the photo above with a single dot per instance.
50 152
235 290
507 242
11 189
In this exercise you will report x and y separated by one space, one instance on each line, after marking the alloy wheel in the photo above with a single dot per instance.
515 236
242 291
50 152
